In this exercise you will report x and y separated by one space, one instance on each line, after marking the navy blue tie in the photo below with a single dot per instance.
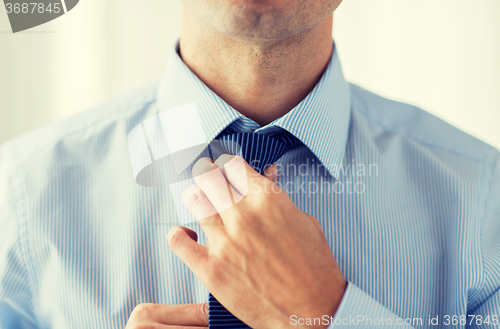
259 151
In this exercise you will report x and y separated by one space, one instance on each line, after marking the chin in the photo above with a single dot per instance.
266 20
261 4
258 19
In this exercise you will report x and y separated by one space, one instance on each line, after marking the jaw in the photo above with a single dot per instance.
260 21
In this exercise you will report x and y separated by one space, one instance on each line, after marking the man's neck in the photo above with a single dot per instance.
262 80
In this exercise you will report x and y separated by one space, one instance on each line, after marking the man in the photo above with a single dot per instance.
379 214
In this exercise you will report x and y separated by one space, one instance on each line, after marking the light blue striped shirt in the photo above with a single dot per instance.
409 204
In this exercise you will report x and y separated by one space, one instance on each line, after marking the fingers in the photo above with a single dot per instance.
203 210
197 202
189 251
221 185
236 175
241 175
169 316
211 180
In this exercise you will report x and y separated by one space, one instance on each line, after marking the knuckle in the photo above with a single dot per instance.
201 312
275 190
175 238
141 316
192 196
262 200
244 224
247 222
212 272
142 311
202 166
239 215
223 159
273 196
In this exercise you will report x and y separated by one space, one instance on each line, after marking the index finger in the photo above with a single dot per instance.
174 315
211 180
241 175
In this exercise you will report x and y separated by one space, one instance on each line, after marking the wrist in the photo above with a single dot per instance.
334 299
320 314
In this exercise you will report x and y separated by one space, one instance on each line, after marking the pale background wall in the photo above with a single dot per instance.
442 55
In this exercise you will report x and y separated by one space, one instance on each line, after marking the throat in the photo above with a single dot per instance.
263 81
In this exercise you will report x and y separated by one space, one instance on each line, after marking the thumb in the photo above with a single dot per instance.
181 242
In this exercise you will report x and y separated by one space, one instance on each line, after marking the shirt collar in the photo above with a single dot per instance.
320 121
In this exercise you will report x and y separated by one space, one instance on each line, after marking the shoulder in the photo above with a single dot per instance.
419 126
93 121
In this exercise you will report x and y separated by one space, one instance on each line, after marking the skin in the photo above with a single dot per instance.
260 245
262 58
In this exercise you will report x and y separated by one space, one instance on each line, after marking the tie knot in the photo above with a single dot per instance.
258 150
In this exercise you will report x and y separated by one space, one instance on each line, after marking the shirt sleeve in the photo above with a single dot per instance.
16 310
486 307
360 310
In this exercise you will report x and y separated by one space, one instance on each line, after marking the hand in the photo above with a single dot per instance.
169 316
265 260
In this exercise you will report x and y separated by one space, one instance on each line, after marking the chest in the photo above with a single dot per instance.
110 253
